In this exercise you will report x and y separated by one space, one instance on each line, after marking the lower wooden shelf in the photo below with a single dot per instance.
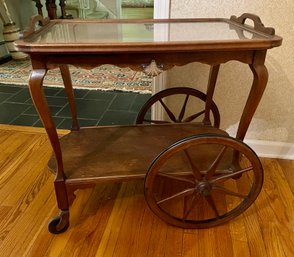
119 153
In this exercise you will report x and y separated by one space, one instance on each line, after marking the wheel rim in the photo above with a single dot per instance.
203 197
179 116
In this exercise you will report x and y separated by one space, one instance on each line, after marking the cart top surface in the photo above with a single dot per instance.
146 36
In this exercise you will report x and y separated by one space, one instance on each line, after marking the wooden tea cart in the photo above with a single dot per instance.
196 175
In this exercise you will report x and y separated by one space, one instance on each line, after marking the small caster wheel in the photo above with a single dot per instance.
53 225
187 98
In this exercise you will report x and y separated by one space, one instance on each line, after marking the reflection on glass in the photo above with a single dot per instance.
92 32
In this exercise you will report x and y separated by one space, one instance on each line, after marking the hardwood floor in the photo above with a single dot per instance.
114 220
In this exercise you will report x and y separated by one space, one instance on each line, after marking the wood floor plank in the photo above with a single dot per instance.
29 130
114 219
22 168
237 228
101 217
111 233
190 245
4 212
142 243
157 239
239 237
287 167
28 224
130 229
59 242
92 221
13 144
174 241
276 216
23 205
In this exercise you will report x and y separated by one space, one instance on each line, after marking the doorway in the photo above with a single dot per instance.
137 9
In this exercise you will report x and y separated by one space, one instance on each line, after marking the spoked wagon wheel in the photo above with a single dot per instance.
198 182
187 95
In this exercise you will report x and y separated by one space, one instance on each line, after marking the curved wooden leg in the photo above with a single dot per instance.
210 91
260 75
70 96
259 83
36 90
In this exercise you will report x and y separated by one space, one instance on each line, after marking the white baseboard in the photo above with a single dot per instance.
271 149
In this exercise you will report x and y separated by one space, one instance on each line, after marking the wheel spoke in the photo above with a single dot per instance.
224 177
228 192
168 111
156 121
196 172
177 195
182 113
194 116
212 169
176 178
211 203
192 206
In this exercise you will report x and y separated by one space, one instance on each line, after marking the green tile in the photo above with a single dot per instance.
86 109
51 91
31 111
122 101
38 124
139 101
118 118
21 97
10 89
78 93
57 121
9 111
56 101
25 120
4 97
66 124
53 109
100 95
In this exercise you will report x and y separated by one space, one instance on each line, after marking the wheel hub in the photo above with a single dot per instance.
204 188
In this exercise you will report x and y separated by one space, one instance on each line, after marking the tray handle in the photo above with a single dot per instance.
258 25
33 22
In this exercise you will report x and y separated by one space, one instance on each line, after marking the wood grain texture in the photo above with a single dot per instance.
113 219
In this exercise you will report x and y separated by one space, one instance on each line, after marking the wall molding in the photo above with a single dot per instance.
161 9
272 149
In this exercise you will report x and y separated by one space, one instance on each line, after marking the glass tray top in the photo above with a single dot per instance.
109 35
142 32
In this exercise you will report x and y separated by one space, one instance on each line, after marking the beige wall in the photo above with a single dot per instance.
274 119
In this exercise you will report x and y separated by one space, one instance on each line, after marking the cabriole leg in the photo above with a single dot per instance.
259 83
70 96
60 223
260 78
213 74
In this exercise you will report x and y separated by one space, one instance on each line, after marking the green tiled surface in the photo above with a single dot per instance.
122 101
9 111
94 107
